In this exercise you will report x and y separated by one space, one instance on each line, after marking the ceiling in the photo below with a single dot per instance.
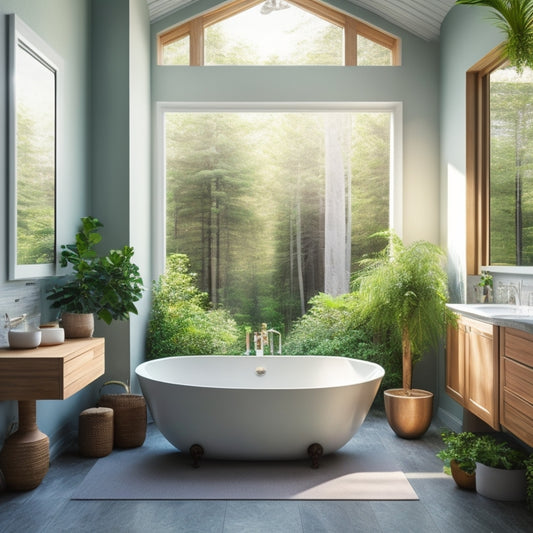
420 17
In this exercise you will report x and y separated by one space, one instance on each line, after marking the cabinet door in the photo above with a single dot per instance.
482 372
455 362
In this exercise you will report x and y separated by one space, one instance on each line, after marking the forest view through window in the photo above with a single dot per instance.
511 167
273 208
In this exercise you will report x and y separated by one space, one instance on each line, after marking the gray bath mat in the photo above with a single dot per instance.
157 471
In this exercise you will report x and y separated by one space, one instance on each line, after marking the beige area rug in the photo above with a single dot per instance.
157 471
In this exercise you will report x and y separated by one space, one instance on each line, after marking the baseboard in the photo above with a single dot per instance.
62 440
449 420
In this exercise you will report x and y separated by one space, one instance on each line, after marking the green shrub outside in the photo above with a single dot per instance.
332 327
181 321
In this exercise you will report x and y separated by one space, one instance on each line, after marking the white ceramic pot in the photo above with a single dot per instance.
501 484
23 339
51 336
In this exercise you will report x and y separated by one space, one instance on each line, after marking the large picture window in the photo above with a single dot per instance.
274 207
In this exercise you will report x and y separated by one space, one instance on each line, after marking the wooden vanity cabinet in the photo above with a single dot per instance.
516 385
472 368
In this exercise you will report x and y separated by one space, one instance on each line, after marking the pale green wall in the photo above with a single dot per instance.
64 25
467 35
121 157
140 215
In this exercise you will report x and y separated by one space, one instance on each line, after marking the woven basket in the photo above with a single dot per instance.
129 418
78 325
95 434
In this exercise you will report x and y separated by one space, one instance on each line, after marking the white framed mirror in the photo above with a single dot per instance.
34 97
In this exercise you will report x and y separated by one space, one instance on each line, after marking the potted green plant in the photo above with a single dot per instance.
485 287
106 286
459 457
500 470
515 19
403 292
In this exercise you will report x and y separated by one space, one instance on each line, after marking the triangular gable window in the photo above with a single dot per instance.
276 32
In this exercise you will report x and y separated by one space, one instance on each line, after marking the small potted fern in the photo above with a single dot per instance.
106 286
458 456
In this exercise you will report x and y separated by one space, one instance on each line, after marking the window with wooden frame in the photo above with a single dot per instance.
499 157
275 32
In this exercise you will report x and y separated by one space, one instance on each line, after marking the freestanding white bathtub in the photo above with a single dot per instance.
247 407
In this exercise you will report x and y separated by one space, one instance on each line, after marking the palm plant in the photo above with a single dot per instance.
403 291
515 19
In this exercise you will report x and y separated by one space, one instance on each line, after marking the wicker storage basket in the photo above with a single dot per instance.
95 434
129 418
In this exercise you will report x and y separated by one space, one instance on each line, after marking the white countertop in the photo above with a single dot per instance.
506 315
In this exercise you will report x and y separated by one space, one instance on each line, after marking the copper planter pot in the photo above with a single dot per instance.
409 415
463 479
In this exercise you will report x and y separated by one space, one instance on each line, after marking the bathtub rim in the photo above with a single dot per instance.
378 375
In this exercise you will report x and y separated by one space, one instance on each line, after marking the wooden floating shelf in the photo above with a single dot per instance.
51 372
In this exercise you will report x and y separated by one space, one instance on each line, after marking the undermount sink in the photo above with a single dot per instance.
501 309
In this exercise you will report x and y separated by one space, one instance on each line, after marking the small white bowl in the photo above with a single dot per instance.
24 339
51 336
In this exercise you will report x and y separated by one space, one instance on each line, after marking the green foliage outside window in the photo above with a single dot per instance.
511 167
181 322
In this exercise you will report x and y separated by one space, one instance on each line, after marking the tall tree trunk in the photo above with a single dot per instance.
348 207
210 267
336 275
299 261
291 254
218 230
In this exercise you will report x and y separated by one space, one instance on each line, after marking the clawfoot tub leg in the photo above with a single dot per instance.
315 451
197 453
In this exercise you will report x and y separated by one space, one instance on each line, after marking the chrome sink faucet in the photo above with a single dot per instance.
513 293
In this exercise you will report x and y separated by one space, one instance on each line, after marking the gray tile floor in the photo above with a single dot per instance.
442 507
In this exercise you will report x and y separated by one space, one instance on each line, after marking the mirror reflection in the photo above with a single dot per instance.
33 152
35 147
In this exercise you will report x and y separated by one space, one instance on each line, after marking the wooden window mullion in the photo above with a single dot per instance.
196 48
350 43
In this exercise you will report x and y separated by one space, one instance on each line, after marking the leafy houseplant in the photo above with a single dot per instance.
515 18
460 447
107 286
500 470
403 292
490 452
459 456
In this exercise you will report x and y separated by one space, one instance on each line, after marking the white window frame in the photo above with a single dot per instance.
159 184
